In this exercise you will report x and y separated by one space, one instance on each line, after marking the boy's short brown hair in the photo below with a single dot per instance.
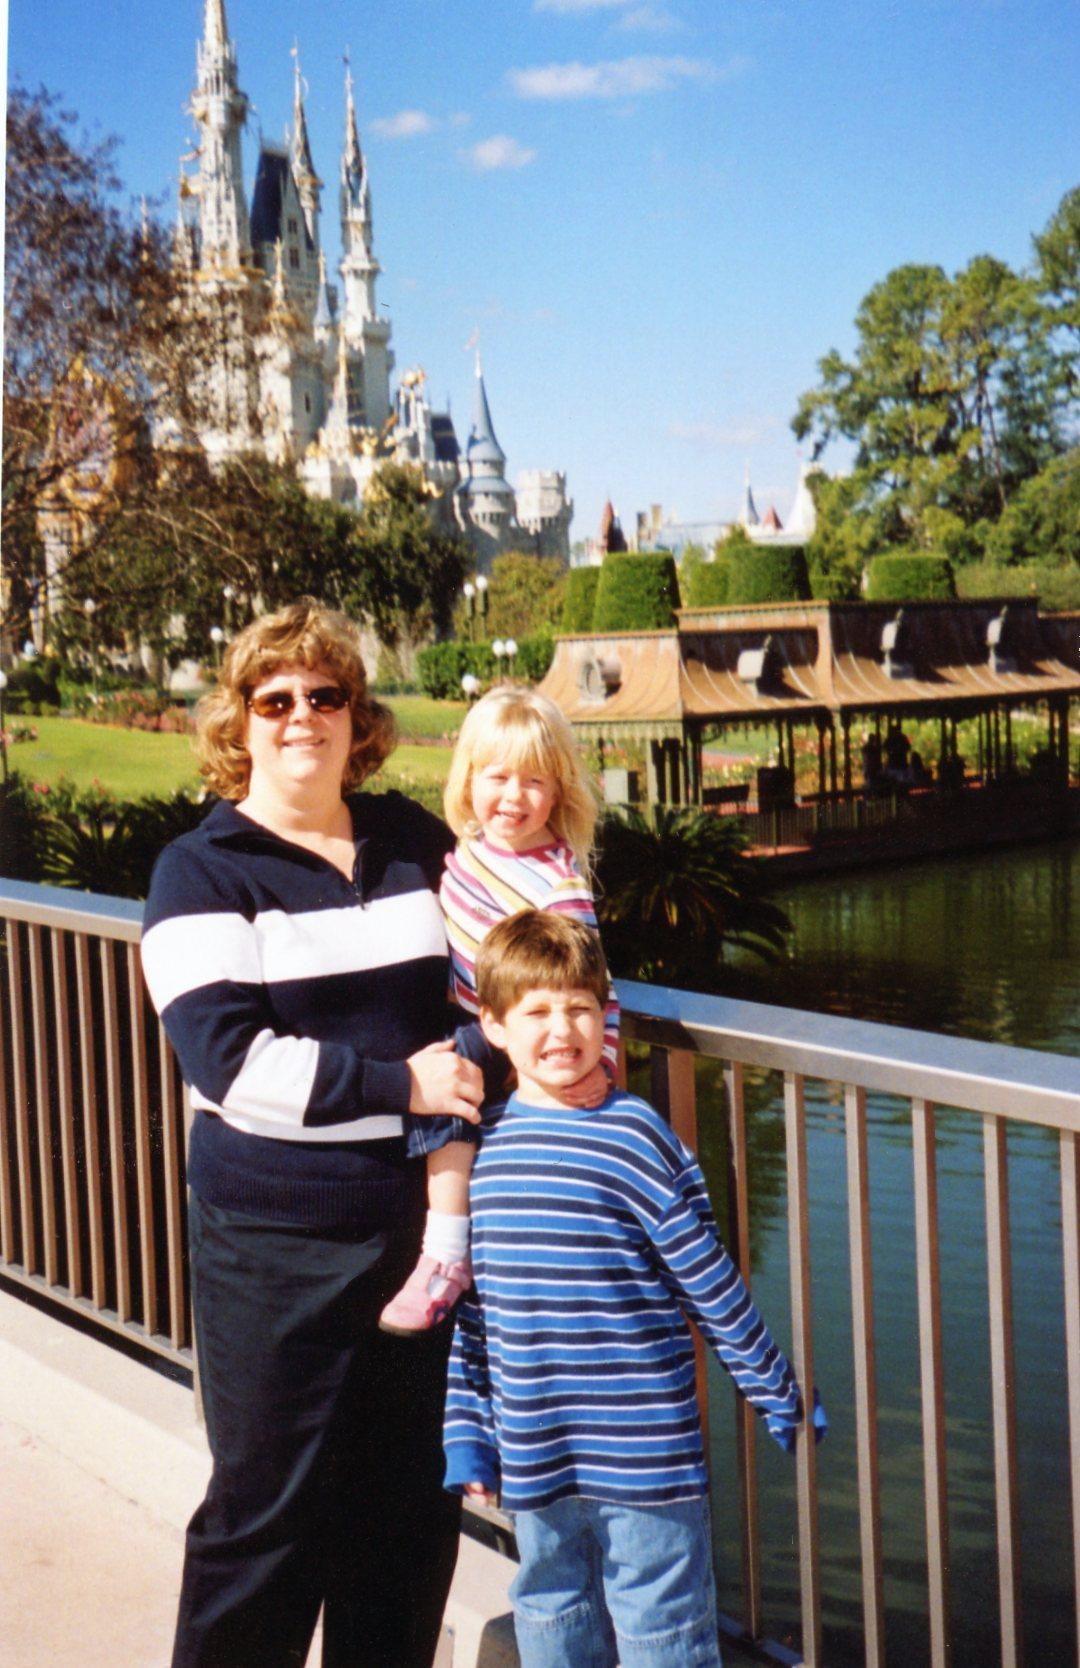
538 950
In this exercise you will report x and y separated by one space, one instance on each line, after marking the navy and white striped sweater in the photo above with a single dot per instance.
293 997
572 1370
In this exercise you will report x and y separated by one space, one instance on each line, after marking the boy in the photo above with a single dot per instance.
572 1374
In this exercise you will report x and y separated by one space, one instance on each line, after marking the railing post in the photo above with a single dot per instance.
862 1315
673 1094
1070 1236
738 1193
928 1274
803 1352
1003 1379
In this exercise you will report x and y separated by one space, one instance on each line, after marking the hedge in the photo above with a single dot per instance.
708 586
636 592
766 573
910 576
440 667
579 600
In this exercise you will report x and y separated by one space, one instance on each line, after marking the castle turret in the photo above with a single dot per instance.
220 110
308 183
366 333
485 497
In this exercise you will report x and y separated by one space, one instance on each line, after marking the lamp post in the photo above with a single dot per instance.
468 591
470 686
228 593
217 637
3 737
482 602
89 605
510 650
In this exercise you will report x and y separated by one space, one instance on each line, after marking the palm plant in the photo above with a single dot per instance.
673 889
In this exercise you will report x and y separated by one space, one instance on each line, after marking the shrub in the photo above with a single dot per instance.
23 817
534 656
637 592
767 573
708 587
579 602
910 576
33 686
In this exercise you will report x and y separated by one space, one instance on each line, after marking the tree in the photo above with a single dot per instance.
674 890
525 595
955 395
410 569
92 341
1057 252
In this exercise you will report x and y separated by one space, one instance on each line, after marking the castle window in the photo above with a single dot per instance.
293 228
307 402
294 258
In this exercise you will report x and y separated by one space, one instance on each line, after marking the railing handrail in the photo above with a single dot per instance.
1023 1083
58 906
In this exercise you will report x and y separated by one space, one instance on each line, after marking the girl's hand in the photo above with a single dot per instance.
442 1082
589 1090
480 1492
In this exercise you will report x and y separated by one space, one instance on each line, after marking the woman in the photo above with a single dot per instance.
294 948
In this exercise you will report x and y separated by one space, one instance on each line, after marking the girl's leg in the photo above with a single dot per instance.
443 1272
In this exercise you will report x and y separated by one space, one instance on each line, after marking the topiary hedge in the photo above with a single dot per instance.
579 599
440 667
708 587
764 573
910 576
636 592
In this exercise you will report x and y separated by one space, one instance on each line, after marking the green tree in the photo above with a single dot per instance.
1057 254
673 890
410 568
525 595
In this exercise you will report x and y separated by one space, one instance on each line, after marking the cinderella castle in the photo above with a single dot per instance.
300 368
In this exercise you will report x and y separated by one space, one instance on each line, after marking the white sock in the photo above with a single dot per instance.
446 1238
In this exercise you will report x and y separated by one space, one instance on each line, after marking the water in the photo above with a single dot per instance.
985 947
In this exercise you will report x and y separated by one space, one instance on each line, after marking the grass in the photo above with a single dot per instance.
134 763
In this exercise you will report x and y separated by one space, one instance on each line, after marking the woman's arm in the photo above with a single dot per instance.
202 967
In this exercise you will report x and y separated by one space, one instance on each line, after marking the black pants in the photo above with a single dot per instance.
326 1440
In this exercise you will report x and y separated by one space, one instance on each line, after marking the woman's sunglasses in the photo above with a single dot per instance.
278 703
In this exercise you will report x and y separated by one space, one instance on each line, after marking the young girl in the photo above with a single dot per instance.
520 803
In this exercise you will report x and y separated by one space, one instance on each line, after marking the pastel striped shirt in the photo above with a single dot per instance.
572 1371
483 883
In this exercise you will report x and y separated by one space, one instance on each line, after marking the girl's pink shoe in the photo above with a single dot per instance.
427 1297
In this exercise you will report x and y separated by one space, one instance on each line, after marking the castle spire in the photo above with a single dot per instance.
220 110
352 159
748 516
308 183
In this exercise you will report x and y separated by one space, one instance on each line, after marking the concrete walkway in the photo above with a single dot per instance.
101 1465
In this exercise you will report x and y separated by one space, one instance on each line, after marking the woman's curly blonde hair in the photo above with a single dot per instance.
302 634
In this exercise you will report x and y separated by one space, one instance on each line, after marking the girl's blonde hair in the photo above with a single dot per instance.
516 726
302 634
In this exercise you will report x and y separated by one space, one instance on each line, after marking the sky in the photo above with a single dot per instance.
658 214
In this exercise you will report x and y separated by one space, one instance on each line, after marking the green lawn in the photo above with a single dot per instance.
133 763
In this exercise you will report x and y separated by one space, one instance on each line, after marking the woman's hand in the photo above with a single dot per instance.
444 1083
589 1090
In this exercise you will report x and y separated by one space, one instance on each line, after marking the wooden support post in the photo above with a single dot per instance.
821 758
834 786
846 722
653 773
1009 762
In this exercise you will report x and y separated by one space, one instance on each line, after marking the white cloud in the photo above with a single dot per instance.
618 77
407 124
500 151
713 436
649 19
567 6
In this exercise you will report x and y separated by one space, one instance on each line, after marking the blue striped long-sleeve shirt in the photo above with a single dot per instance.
572 1369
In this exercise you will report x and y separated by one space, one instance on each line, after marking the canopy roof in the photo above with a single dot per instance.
815 659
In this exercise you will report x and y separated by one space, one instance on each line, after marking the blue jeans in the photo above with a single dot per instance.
602 1584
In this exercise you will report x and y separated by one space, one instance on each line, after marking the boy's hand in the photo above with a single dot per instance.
589 1090
444 1082
480 1492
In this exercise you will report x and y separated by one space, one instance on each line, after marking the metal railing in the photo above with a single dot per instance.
92 1204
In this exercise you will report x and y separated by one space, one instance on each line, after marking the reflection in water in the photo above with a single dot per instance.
985 947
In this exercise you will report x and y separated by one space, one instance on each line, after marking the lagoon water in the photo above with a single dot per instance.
985 947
